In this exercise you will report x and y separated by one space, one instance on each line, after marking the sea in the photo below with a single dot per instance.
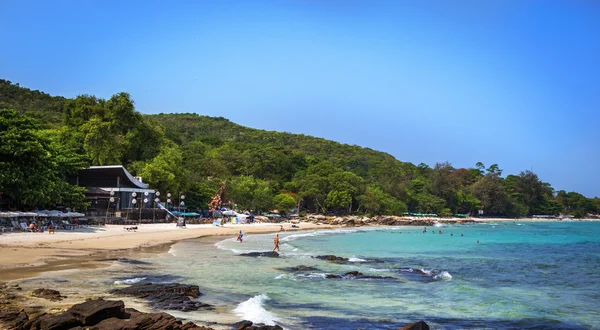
505 275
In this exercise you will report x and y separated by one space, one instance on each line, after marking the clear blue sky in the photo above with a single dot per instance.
510 82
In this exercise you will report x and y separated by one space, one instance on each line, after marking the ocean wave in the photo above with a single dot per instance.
437 224
172 252
434 274
378 270
356 259
313 275
444 275
320 233
130 280
253 310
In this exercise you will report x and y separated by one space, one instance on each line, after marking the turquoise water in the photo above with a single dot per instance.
519 275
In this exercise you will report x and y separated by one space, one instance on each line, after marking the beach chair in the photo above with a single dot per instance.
66 225
24 227
4 225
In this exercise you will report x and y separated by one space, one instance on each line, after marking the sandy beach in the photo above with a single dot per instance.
28 254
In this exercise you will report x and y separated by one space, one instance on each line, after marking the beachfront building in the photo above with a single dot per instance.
113 190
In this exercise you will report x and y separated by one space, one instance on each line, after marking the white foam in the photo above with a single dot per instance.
378 270
130 280
253 310
172 252
443 276
356 259
426 272
437 224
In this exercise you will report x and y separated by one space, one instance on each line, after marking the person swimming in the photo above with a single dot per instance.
425 230
276 242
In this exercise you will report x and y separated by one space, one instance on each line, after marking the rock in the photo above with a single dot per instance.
14 320
359 275
107 315
332 276
242 325
49 294
421 325
332 258
270 254
300 268
354 273
172 296
248 325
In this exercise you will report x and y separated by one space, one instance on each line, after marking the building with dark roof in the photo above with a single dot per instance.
105 182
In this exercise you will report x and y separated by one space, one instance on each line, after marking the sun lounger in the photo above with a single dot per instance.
24 227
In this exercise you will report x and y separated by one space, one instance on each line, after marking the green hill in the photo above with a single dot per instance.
262 169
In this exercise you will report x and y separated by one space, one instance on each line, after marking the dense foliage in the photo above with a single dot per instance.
261 169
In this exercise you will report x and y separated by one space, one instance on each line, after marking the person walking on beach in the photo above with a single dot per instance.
240 237
276 242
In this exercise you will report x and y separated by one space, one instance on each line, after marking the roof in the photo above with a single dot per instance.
114 170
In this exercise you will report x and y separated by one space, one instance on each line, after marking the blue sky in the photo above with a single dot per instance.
515 83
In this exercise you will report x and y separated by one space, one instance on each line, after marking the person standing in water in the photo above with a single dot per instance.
240 237
276 242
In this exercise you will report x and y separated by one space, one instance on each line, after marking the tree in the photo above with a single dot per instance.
249 193
166 172
33 168
491 192
284 202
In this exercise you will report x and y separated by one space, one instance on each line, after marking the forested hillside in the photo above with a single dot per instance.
262 169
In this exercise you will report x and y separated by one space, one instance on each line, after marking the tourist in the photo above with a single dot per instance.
240 237
276 242
281 228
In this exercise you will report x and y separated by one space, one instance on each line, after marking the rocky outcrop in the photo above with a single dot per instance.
357 221
269 254
300 268
332 258
49 294
415 326
358 275
172 296
13 319
104 315
248 325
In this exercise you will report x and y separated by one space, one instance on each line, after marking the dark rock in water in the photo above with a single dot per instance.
242 325
133 262
359 275
128 261
173 296
248 325
107 315
354 273
13 320
415 326
270 254
49 294
332 258
300 268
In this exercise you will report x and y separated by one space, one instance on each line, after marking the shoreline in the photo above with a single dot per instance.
156 239
24 255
